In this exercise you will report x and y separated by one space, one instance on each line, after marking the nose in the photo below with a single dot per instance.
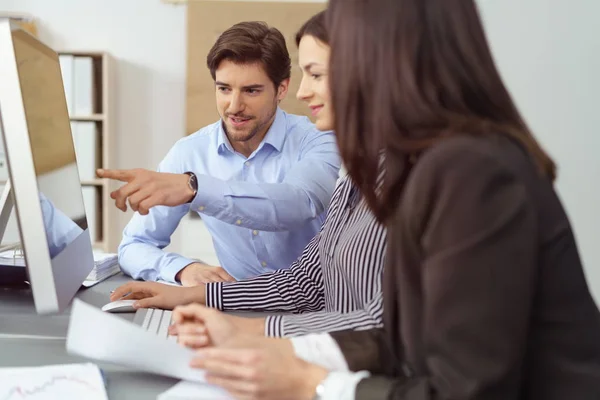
236 105
304 93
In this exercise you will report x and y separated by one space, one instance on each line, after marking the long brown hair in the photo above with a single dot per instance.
249 42
406 73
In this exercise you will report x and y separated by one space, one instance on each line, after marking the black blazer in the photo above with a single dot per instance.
484 292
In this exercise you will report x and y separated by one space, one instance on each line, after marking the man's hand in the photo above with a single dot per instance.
198 326
197 274
158 295
146 189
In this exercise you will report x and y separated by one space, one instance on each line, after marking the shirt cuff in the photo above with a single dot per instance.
211 192
320 349
342 385
273 326
214 295
168 272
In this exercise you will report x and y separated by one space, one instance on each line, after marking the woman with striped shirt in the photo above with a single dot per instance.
336 283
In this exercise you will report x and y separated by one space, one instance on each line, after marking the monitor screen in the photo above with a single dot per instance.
52 146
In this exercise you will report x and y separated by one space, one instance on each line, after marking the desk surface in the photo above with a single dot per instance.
17 311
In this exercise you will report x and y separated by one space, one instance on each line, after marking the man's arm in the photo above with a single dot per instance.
140 252
303 195
297 289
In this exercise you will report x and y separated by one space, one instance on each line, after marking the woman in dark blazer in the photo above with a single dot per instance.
484 292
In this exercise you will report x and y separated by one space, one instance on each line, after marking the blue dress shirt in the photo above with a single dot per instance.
261 211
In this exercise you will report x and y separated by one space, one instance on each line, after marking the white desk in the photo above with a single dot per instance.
17 313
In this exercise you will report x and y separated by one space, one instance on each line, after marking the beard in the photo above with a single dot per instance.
251 128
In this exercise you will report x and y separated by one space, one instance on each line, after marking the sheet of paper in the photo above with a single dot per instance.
10 257
106 337
52 382
194 391
92 279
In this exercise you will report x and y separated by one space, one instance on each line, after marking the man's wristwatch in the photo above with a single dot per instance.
192 183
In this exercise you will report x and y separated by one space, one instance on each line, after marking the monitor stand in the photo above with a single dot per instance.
10 275
17 308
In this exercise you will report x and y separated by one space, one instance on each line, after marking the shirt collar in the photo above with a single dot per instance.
277 132
275 136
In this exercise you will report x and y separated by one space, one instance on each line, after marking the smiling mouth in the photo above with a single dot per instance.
315 109
238 122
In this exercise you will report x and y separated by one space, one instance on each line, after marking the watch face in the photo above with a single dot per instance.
194 182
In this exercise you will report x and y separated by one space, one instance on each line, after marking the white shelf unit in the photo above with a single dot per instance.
105 238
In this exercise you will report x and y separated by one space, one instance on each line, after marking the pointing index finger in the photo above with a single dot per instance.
118 174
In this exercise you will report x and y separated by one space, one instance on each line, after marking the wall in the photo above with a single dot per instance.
547 50
147 39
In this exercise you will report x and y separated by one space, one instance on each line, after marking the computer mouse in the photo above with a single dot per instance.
119 306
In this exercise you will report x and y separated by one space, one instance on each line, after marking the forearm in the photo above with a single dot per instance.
147 262
370 317
275 292
365 350
141 253
261 206
297 289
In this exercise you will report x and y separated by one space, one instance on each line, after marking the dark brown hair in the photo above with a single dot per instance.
314 27
251 42
404 74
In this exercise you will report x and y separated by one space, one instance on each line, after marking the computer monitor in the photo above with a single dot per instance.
44 180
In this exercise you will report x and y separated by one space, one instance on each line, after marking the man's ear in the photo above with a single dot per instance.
282 90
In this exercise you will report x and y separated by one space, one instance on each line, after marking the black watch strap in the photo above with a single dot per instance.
192 183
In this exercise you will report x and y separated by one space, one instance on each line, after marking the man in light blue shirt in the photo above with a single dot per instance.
260 178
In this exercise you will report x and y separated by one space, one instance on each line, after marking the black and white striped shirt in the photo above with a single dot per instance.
334 285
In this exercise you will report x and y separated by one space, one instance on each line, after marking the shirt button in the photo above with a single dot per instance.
255 233
201 208
247 163
264 263
238 222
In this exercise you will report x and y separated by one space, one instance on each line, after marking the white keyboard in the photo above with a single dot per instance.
155 321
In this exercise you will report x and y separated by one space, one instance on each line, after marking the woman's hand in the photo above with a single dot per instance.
158 295
197 326
260 368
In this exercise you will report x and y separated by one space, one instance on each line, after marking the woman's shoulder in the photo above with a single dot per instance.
458 151
462 159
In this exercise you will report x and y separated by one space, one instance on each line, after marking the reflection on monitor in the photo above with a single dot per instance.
43 171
